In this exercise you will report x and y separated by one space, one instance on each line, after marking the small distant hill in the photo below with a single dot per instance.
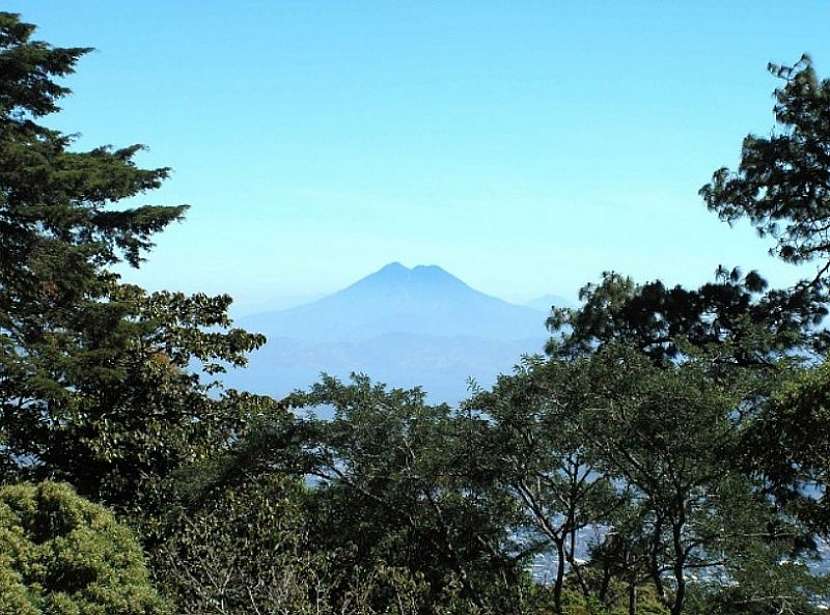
406 327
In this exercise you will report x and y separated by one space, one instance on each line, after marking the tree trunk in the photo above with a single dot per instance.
606 582
560 576
679 566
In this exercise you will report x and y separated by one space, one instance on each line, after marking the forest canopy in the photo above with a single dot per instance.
670 453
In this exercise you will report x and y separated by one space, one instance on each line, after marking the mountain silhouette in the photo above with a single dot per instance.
424 300
405 327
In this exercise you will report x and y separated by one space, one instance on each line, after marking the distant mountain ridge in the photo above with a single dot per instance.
405 327
395 299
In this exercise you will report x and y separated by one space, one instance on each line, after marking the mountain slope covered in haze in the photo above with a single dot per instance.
406 327
424 300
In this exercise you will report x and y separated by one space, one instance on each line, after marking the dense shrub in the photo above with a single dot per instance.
60 553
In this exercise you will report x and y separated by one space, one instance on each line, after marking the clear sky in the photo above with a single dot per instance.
523 146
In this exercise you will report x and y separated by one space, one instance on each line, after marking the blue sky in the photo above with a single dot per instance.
523 146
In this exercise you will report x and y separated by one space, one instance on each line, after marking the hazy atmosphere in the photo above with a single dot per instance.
525 148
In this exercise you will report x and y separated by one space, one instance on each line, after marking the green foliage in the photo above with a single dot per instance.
234 550
688 424
96 380
766 584
782 185
541 601
730 410
790 441
735 315
614 440
251 548
536 442
391 487
60 553
399 480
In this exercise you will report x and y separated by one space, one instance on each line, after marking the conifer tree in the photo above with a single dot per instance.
95 385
